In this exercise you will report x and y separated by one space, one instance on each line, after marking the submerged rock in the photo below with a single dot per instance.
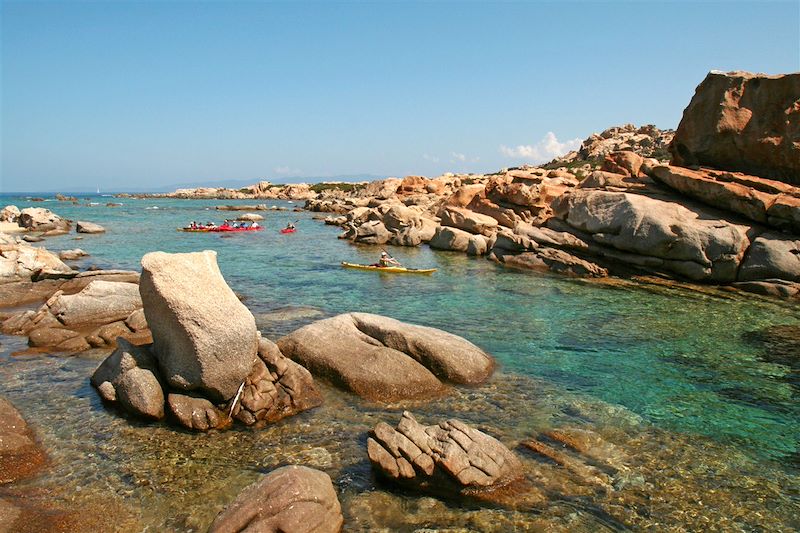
20 455
293 499
451 458
205 339
383 359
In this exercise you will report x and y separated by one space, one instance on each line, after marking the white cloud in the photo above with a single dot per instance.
545 150
286 171
457 157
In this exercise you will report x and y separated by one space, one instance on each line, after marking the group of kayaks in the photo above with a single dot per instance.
224 228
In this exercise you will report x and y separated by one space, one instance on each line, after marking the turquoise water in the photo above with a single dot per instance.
681 379
680 359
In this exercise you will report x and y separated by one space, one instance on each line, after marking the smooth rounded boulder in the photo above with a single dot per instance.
382 359
205 339
292 498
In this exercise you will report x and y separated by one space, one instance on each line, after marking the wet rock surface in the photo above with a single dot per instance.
292 498
20 454
276 387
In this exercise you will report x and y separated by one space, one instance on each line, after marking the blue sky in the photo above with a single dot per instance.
140 94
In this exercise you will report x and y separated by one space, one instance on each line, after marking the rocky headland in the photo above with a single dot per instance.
617 206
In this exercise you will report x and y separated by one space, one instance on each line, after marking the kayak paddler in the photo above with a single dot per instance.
387 260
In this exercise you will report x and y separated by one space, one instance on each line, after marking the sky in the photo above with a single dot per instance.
123 94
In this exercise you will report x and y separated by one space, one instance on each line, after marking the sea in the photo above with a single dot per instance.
696 387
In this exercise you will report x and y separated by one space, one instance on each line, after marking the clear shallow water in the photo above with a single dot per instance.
677 362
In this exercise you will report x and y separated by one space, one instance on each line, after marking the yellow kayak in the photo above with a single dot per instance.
393 269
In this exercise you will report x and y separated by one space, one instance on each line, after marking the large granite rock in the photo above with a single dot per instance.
41 219
689 242
454 239
771 256
450 459
20 455
466 220
205 339
294 499
129 377
101 302
88 227
741 121
383 359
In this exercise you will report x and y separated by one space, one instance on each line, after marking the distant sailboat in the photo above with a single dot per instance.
98 190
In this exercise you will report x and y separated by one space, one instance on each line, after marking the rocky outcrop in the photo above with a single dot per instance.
771 256
449 459
250 217
21 261
94 316
20 455
40 219
740 121
686 241
647 141
467 220
762 200
453 239
202 336
101 302
205 339
9 213
71 255
129 377
390 222
383 359
88 227
292 498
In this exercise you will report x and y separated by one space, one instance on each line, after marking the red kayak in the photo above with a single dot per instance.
288 230
219 229
231 228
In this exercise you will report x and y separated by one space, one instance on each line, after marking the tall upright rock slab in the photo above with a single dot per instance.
204 338
740 121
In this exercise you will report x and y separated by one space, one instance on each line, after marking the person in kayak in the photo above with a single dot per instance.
387 260
290 226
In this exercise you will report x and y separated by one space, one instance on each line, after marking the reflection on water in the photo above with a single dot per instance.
697 388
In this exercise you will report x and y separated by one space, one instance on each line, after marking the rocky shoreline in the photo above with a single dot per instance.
180 349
